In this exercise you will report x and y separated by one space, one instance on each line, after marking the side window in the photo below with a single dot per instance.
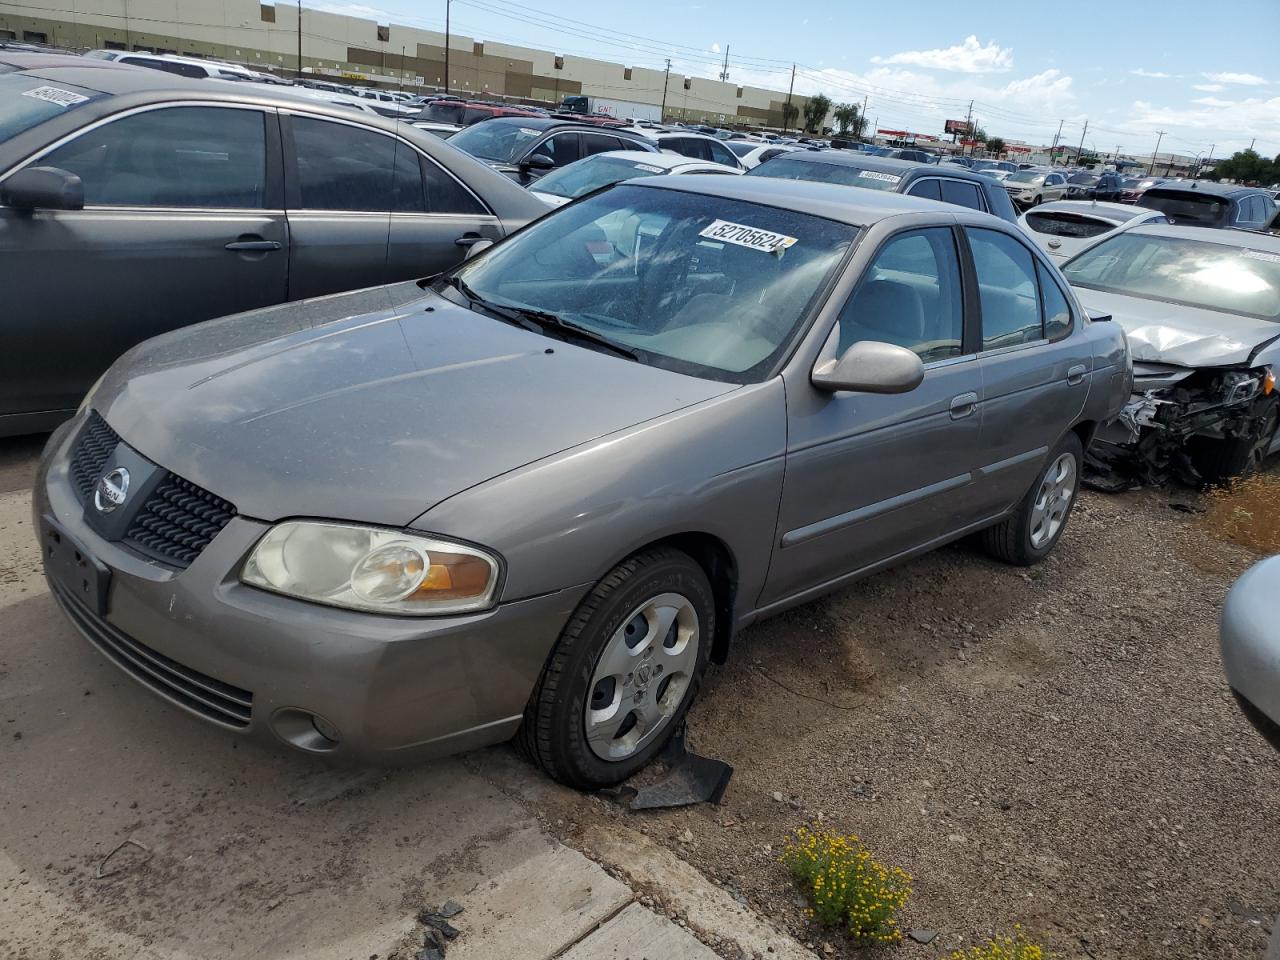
961 193
445 194
1006 289
593 143
926 188
341 167
1057 309
173 157
910 296
563 149
723 155
410 187
769 155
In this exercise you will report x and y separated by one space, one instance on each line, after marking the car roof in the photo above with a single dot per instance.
1100 207
864 161
536 122
697 134
668 161
830 201
1245 239
105 76
1206 187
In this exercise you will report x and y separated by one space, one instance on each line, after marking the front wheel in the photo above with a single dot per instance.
624 672
1027 535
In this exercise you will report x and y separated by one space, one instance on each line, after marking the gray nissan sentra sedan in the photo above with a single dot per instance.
536 494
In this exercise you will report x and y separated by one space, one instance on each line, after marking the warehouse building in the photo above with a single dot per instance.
267 37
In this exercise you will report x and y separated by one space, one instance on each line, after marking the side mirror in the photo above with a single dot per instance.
478 247
870 366
538 161
1098 316
50 188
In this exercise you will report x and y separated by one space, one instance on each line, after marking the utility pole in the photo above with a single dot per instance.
968 127
786 112
1080 149
1252 142
447 4
402 49
862 117
299 37
1056 137
665 78
1152 167
1207 160
724 73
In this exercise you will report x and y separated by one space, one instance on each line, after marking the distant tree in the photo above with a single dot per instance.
1248 166
848 120
995 145
816 109
977 133
789 113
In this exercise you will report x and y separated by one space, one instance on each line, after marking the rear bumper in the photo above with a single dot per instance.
261 665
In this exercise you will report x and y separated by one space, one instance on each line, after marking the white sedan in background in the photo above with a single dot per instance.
1063 228
583 176
752 153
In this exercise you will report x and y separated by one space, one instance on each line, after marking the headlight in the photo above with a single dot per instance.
373 569
88 397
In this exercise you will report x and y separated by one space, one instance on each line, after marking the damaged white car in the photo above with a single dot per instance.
1201 309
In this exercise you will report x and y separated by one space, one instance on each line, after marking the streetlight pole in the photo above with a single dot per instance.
447 5
666 77
786 111
1151 169
299 37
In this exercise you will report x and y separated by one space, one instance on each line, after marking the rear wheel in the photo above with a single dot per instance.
623 673
1029 534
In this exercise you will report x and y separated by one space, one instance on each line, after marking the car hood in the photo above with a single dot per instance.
1161 332
370 406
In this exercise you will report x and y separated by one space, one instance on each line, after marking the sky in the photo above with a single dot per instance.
1208 79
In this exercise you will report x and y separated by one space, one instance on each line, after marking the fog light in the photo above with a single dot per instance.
326 729
305 730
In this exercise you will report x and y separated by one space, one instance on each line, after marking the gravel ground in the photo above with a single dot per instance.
1054 747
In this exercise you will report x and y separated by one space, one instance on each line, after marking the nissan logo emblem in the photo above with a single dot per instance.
111 490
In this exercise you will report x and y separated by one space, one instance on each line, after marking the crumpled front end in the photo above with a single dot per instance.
1174 414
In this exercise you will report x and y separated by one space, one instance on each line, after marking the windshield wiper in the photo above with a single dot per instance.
539 321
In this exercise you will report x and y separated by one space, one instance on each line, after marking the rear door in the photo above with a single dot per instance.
183 221
871 476
1035 372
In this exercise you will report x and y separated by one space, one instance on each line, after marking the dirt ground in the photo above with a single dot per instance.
1052 747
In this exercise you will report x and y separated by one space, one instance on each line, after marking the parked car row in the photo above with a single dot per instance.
473 468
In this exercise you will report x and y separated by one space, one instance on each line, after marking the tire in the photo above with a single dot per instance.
1028 535
571 693
1037 201
1218 461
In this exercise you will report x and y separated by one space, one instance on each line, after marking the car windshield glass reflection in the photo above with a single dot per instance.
1211 275
592 174
703 285
497 140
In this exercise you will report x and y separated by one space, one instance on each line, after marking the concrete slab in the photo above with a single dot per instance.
638 933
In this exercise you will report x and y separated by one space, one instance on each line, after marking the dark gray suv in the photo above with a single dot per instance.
133 201
1200 203
950 184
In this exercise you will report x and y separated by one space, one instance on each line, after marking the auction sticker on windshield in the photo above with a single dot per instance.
766 241
648 168
877 175
63 98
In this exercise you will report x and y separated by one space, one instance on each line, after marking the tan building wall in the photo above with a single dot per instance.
266 37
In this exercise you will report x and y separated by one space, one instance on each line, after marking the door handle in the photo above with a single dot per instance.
1076 374
469 239
248 243
963 405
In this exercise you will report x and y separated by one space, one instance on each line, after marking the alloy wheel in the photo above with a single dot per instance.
1053 499
642 676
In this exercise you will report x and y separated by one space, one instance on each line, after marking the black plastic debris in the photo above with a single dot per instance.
689 779
439 931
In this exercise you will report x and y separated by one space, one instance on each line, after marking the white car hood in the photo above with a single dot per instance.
1161 332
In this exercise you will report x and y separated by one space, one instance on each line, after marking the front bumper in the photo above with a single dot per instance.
262 665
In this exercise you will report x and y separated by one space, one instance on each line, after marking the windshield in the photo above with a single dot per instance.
741 149
1025 176
1082 178
702 285
1187 207
788 168
1193 272
26 101
499 140
593 173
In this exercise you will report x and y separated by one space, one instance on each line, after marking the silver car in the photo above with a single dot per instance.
539 492
1251 647
1065 227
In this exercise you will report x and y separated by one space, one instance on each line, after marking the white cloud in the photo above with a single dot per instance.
966 57
1208 87
715 48
1227 123
1244 79
1154 74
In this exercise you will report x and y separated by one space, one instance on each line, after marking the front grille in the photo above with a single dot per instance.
201 694
178 521
96 443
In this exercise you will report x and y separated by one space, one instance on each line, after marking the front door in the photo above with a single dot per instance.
182 222
871 476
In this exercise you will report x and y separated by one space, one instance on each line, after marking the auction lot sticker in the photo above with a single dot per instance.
766 241
63 98
877 175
